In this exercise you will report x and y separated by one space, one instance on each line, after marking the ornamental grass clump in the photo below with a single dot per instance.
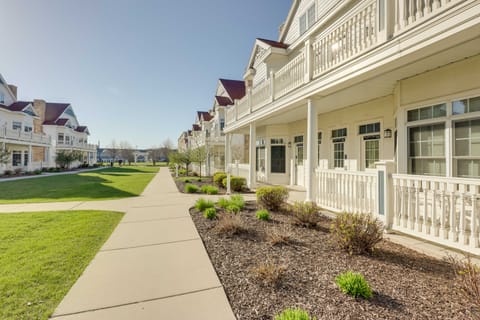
236 203
294 314
353 284
191 188
467 279
272 198
209 189
230 225
203 204
232 208
357 233
218 178
263 215
278 236
210 213
305 214
269 274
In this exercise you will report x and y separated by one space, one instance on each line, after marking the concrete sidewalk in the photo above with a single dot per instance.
153 266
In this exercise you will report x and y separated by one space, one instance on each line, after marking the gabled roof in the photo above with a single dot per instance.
206 116
223 101
53 111
61 122
19 105
81 128
196 127
234 88
288 22
274 44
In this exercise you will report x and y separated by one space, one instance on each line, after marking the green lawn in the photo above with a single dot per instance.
108 183
42 254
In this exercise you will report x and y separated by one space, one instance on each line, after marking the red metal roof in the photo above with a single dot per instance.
234 88
223 101
206 115
275 44
53 111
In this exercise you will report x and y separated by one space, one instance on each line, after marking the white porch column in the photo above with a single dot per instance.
402 143
311 150
30 157
228 159
252 172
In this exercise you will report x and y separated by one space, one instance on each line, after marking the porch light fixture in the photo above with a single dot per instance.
387 133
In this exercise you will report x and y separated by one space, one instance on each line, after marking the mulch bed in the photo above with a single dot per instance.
194 180
406 284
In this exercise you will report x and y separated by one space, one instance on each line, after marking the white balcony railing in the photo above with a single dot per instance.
349 191
369 24
443 210
24 137
77 145
351 37
290 77
261 95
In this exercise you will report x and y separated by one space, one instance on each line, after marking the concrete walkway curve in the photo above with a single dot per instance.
153 266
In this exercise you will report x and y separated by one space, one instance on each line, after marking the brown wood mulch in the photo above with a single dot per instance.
406 284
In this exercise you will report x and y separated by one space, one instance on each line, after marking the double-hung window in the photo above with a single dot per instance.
260 165
371 143
307 19
16 158
278 156
338 140
16 125
27 129
60 138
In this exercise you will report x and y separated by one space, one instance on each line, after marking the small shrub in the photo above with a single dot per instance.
182 172
7 173
279 236
467 278
223 203
263 215
191 188
209 189
238 201
236 183
294 314
230 225
272 198
353 284
203 204
210 213
52 169
218 178
18 171
269 273
305 214
37 172
232 208
357 233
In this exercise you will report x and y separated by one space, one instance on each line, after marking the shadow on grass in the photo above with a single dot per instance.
126 170
62 188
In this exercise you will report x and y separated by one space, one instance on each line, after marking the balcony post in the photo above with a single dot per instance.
308 61
312 145
272 86
249 99
400 15
252 157
386 19
30 157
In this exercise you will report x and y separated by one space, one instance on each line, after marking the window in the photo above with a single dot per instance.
338 139
427 150
60 138
222 124
16 158
298 139
16 125
430 112
67 139
278 158
28 129
307 19
466 106
467 148
372 150
25 158
369 128
260 165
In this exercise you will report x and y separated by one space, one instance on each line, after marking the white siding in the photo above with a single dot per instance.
261 73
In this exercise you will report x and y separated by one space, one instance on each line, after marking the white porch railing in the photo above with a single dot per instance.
230 114
444 210
76 145
349 191
242 107
22 136
353 36
240 169
412 12
290 77
261 95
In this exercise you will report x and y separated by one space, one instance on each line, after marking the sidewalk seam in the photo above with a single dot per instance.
150 245
151 220
136 302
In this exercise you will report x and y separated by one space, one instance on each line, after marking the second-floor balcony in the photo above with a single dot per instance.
22 137
75 145
370 35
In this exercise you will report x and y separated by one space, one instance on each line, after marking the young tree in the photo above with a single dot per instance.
126 151
180 158
65 157
4 154
155 153
199 156
113 149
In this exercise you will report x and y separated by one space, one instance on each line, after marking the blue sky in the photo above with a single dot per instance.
134 70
